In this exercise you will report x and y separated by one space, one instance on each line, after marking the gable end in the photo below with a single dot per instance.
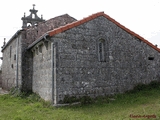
93 16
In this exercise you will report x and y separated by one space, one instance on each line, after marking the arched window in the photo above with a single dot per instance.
101 50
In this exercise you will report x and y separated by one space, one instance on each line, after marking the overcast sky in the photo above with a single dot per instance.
140 16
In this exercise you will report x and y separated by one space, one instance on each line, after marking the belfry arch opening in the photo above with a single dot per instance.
33 16
29 24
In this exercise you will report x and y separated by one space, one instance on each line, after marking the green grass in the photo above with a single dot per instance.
144 101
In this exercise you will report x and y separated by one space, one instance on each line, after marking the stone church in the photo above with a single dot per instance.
64 56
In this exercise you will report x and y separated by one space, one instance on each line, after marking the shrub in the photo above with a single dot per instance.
141 86
86 100
69 99
34 97
154 84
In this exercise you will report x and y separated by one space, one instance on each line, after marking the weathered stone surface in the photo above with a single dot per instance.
78 70
9 64
2 92
127 64
42 74
25 60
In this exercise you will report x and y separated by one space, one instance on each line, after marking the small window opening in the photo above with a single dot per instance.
37 51
12 66
40 48
10 51
101 50
150 58
14 56
46 44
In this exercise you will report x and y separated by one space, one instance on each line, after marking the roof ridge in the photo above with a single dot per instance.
93 16
59 16
74 24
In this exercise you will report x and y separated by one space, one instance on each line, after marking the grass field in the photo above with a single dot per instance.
140 104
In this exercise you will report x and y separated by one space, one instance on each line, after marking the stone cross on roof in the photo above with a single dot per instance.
34 6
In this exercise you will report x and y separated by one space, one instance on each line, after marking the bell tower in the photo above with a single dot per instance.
32 19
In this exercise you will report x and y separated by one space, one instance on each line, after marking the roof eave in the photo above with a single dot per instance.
14 36
37 41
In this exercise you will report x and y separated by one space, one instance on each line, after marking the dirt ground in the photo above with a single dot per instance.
3 91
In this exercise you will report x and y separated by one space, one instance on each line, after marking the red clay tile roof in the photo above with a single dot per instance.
74 24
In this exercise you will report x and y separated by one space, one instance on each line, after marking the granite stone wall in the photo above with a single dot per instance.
9 65
27 68
42 73
80 71
128 60
27 64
